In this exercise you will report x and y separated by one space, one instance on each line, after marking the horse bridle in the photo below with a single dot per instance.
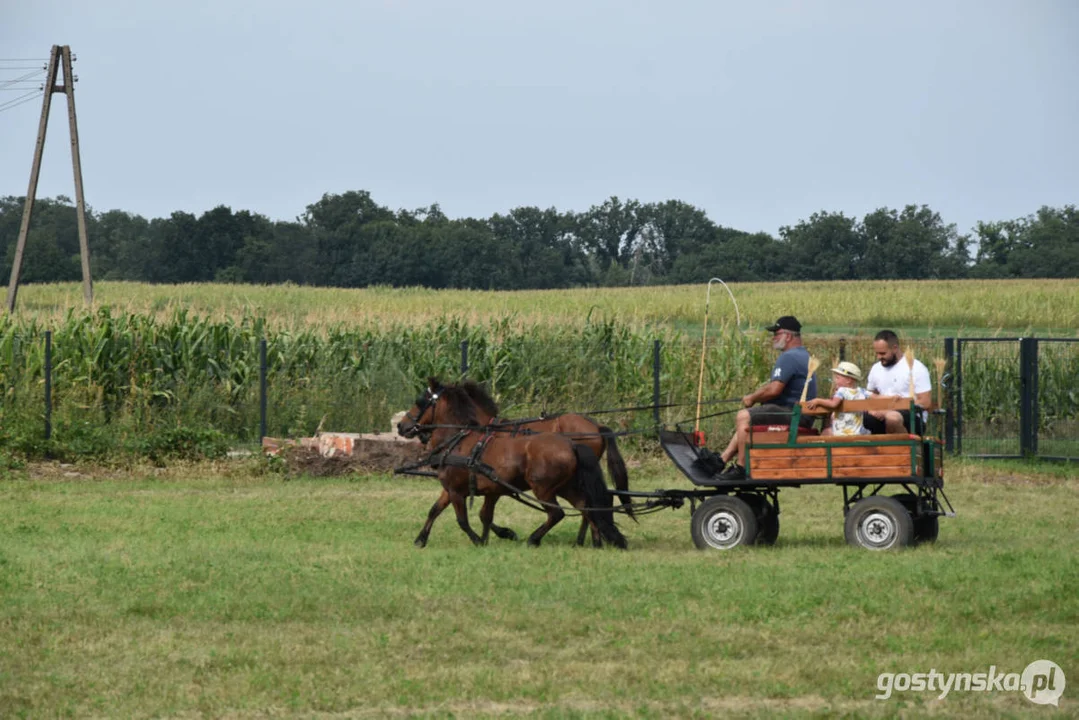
429 398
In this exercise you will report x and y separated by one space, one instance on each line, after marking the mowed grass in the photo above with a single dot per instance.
219 590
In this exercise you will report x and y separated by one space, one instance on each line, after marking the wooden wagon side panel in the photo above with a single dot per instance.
825 461
782 463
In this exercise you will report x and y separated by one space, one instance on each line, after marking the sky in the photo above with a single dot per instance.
760 113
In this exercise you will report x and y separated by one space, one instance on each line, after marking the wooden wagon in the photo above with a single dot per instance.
744 512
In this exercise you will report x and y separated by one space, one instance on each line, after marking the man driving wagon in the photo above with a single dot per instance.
773 402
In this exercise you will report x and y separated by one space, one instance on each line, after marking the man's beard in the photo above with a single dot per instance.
889 362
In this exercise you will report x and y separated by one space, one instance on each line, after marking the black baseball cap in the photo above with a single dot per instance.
787 322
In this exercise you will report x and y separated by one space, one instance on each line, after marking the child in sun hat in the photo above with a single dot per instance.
846 379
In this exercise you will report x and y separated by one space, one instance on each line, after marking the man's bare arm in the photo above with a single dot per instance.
768 391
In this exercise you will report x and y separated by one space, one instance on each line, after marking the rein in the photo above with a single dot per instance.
514 428
633 408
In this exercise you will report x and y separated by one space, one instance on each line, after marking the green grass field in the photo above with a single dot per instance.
230 591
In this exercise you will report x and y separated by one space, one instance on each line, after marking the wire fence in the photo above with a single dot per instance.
1004 398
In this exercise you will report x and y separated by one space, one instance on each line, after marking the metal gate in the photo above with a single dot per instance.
1056 402
1014 397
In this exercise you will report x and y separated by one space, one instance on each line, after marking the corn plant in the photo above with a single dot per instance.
119 376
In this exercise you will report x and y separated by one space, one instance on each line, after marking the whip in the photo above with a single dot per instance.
698 436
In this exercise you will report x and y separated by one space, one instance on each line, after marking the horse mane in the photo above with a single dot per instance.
481 397
461 407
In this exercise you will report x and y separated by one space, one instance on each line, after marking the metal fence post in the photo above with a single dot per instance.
957 382
48 384
655 380
262 389
1035 410
1028 393
464 357
949 411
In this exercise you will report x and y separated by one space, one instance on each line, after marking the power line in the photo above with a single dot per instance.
25 78
21 100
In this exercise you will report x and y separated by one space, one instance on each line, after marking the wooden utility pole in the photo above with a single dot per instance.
59 58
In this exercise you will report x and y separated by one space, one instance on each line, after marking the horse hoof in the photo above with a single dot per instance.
509 535
533 543
420 542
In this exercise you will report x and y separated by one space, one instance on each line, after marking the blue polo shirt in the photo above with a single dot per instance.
791 369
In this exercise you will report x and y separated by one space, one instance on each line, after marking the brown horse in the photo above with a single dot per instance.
492 464
578 428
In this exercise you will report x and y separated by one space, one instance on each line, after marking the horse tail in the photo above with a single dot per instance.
589 477
616 466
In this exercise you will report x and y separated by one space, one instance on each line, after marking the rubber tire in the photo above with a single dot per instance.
723 522
927 527
874 514
767 518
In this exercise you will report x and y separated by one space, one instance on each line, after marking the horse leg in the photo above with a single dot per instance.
554 516
458 501
584 529
487 516
503 532
577 500
432 515
597 537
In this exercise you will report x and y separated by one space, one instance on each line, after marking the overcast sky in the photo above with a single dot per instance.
760 113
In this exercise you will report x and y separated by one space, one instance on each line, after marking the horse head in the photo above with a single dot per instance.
421 413
464 405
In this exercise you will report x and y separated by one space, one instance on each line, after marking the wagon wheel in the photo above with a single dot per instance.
723 522
926 527
767 518
879 523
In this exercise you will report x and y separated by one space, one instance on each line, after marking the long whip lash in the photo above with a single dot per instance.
704 345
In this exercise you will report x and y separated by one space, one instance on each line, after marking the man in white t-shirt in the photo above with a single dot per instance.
890 376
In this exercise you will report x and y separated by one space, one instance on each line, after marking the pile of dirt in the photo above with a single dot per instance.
366 457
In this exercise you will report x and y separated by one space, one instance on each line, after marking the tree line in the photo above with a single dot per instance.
349 240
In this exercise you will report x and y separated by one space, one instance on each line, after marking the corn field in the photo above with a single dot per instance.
913 307
120 378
